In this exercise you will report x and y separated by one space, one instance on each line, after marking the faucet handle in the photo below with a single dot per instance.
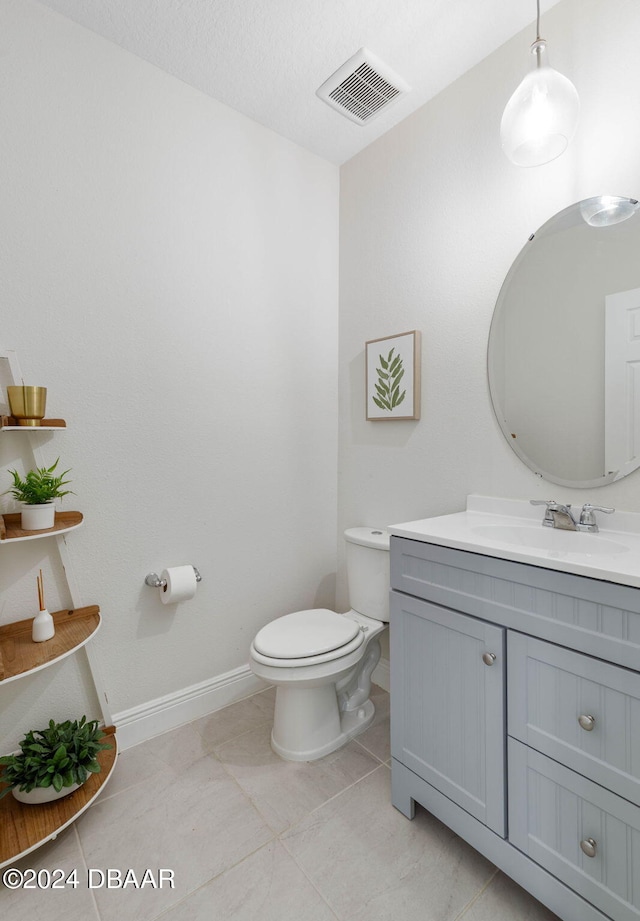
547 502
587 516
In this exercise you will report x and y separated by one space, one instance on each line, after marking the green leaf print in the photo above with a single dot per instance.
387 386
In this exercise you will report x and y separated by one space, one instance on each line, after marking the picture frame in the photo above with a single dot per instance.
393 377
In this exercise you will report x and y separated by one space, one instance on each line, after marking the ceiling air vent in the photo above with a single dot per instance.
362 88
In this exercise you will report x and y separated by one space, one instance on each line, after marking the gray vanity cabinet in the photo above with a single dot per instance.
515 719
449 724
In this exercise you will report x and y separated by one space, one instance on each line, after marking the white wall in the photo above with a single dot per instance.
432 216
168 269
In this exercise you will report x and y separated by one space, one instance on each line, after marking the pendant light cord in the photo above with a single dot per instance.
539 43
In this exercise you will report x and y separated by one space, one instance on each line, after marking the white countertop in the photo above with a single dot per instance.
511 529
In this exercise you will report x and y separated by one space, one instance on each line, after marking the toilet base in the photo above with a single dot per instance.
339 729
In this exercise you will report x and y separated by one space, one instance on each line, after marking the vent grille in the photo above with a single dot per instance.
362 87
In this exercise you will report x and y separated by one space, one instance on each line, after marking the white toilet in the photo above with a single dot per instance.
321 662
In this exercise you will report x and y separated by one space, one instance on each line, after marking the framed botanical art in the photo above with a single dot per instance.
393 377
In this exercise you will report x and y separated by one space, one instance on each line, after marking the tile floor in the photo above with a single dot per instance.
252 838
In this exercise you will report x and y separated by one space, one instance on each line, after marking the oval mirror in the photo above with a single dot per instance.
564 346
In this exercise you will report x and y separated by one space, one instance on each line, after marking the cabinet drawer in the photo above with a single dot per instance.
595 617
552 810
578 710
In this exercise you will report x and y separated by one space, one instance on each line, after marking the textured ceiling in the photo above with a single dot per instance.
266 58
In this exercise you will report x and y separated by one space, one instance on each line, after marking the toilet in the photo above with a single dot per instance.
321 662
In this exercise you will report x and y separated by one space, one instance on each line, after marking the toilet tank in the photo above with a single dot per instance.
368 571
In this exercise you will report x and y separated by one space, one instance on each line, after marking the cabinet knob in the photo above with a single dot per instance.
587 722
588 846
488 658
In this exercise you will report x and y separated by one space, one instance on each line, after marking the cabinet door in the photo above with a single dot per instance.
447 704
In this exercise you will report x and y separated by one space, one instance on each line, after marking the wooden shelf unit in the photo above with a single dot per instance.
10 526
20 656
24 827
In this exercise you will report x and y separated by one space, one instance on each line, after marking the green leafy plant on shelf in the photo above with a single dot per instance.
60 756
39 486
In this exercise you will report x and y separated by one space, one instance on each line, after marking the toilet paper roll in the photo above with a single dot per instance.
181 584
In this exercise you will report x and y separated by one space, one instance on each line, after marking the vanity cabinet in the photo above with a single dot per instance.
515 719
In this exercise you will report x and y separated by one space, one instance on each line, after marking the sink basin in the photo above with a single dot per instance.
575 544
510 529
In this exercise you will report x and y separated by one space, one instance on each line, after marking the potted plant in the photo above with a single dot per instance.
53 762
37 491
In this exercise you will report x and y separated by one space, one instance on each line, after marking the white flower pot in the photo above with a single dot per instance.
38 517
43 794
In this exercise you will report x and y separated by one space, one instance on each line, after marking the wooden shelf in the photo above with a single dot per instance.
10 526
20 656
23 827
9 424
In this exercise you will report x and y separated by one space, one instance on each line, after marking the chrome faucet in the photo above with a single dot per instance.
556 515
560 516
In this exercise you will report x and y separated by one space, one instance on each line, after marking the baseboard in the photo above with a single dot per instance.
148 720
382 675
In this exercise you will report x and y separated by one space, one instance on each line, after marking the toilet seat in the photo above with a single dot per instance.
306 638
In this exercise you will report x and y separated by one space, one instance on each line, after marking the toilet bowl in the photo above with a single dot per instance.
321 662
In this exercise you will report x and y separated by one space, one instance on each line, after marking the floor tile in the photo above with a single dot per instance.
370 862
268 886
287 791
60 904
504 900
197 824
188 743
170 752
230 722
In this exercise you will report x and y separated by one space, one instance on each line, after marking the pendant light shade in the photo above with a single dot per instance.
606 210
541 117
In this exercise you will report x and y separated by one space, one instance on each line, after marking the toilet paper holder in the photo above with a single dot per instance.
154 580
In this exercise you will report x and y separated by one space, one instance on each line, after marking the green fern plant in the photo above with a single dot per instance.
39 486
60 756
387 386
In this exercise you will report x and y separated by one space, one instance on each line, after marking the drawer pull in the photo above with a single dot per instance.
587 722
488 658
588 846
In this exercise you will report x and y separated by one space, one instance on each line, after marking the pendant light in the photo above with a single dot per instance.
606 210
540 118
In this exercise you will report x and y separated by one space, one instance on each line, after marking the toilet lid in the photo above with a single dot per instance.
304 634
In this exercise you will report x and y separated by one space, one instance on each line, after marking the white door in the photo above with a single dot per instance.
622 382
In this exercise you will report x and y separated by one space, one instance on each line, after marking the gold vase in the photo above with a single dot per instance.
27 404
